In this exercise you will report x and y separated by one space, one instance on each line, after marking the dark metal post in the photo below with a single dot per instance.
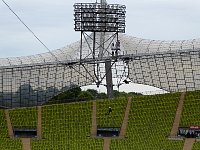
109 81
81 45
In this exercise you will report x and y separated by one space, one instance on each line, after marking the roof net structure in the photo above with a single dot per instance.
169 65
33 80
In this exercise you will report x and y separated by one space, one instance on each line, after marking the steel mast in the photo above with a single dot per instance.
104 22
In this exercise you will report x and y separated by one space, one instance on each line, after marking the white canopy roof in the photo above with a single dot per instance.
129 44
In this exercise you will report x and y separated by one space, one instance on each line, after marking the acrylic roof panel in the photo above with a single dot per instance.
140 46
129 44
15 61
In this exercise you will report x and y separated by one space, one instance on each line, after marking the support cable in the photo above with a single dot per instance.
80 73
29 29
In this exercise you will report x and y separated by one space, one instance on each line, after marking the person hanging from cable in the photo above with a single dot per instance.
113 49
109 110
117 47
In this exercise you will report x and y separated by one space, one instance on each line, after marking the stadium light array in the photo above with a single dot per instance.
97 17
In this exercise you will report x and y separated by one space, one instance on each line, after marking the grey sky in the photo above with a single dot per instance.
52 22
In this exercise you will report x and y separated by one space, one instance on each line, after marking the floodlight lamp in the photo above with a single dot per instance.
100 17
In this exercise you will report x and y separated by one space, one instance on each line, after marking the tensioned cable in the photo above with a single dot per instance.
29 29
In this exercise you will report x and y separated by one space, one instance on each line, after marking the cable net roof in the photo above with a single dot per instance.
129 45
133 45
168 65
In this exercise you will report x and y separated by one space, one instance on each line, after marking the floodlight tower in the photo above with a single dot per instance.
103 22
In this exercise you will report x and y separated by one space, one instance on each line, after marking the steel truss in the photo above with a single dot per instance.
100 19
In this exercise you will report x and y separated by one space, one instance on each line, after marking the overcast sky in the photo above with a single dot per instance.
52 22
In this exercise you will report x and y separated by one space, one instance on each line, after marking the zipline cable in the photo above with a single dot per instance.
29 29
